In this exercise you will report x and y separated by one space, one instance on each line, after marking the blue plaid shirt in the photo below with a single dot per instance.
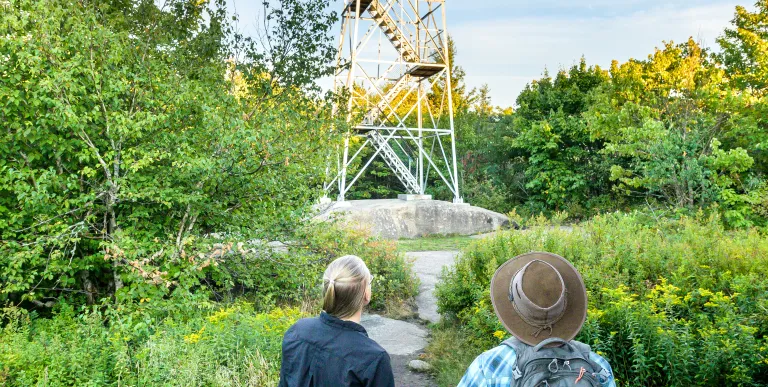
493 368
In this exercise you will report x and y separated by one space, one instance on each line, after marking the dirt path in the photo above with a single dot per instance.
405 340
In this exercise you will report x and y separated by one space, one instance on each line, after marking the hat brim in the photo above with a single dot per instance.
576 310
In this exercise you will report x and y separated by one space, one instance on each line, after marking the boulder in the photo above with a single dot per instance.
419 365
278 247
397 337
395 219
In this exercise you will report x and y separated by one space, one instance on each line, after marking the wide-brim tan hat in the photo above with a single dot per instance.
539 295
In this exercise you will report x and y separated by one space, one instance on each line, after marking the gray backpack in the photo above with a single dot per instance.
565 365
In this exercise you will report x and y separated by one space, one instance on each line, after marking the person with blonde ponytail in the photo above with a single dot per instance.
333 349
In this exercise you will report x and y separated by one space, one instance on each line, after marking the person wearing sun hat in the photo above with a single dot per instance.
540 299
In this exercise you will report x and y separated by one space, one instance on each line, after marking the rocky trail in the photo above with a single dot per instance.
405 340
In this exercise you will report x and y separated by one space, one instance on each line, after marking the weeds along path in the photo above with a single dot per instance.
405 340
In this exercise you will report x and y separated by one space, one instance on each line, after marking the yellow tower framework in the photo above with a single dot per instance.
393 62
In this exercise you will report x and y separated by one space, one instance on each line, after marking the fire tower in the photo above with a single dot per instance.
393 63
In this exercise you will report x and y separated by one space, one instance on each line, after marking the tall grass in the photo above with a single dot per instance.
672 302
233 346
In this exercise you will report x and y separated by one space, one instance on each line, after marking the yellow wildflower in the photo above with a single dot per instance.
220 315
193 338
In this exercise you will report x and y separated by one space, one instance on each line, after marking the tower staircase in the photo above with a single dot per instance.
373 115
379 13
402 172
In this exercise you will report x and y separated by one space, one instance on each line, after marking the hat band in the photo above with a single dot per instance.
534 315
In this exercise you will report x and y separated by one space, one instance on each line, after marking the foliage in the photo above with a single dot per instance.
227 346
745 56
379 182
745 51
395 283
661 120
683 128
130 138
672 302
449 352
275 273
550 137
535 155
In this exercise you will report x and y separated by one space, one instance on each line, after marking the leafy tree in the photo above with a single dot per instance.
660 121
462 99
661 118
745 48
745 56
481 153
127 138
549 136
483 105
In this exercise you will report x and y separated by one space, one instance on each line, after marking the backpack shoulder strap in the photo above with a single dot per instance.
516 344
521 353
583 349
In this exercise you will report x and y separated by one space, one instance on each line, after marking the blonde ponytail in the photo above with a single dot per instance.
329 288
345 282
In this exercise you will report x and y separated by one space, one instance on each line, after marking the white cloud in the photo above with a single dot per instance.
508 53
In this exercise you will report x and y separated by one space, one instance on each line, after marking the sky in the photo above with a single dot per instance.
508 43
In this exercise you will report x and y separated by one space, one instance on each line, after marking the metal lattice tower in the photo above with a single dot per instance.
393 61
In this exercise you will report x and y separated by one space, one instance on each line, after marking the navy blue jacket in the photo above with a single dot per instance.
326 351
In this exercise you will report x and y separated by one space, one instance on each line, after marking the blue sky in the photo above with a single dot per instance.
508 43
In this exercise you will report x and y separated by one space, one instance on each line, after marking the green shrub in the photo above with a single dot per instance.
672 302
232 346
231 269
453 347
179 336
395 282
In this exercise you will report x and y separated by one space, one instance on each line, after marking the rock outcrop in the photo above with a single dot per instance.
395 219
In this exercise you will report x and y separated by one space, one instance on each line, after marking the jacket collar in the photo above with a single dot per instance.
339 323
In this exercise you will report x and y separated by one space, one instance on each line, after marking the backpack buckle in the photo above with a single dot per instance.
516 373
603 375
